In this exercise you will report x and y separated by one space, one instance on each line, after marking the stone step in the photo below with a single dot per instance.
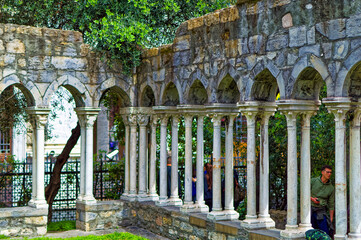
264 234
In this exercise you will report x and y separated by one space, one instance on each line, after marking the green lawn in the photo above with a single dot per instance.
112 236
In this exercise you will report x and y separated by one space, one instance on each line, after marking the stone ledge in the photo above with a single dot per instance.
23 212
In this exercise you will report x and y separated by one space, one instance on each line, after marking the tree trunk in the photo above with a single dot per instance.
53 187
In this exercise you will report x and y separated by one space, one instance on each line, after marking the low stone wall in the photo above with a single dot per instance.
166 221
23 221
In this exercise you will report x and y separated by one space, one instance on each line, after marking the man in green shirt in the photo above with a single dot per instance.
322 200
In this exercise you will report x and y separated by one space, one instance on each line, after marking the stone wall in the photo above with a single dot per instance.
166 221
23 221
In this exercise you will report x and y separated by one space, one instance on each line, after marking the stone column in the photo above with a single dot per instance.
355 177
174 199
163 163
291 226
133 158
229 211
143 122
251 217
126 159
340 173
153 158
188 203
263 217
103 130
87 117
39 117
200 205
305 191
216 212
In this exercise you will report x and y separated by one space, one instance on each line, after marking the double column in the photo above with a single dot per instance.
217 212
126 159
260 111
142 152
38 119
87 117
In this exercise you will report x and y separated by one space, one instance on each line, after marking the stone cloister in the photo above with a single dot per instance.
230 62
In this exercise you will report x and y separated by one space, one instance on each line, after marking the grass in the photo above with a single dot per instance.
61 226
112 236
4 237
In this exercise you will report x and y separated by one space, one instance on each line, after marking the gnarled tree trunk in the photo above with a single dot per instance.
53 187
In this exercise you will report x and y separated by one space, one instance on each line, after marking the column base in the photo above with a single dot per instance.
132 197
202 208
305 226
175 201
223 215
153 197
266 221
87 200
162 202
339 237
124 196
142 197
251 222
354 236
187 207
38 204
292 231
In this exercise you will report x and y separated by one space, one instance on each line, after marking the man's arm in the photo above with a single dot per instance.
331 214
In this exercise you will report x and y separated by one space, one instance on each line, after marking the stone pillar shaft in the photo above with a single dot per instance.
216 181
355 176
305 191
126 167
340 175
174 197
163 162
200 172
251 167
153 157
133 158
188 161
228 167
291 171
143 121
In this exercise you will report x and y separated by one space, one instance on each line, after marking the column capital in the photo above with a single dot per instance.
188 120
143 120
87 116
356 118
164 118
251 117
175 120
216 118
132 120
38 116
125 119
291 117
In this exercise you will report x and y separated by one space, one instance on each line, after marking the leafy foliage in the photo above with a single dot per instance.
61 226
117 28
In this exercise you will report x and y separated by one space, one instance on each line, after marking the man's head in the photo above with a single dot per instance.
169 160
326 172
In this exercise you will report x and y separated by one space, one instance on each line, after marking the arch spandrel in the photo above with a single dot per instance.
74 86
264 87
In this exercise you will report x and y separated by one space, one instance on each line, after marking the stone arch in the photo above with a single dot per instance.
227 91
74 86
197 93
170 95
310 64
230 71
30 91
307 85
349 77
264 87
123 98
147 97
119 86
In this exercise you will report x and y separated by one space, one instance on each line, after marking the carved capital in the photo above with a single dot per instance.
356 118
155 119
143 120
175 121
132 119
38 117
291 118
188 120
216 118
164 120
87 121
251 118
125 120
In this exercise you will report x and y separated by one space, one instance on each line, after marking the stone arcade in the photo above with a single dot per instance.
232 61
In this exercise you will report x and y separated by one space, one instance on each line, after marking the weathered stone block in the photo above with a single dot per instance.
186 227
333 29
287 21
37 221
195 23
2 48
327 50
340 49
15 46
211 18
314 49
181 43
256 44
353 26
231 48
291 58
229 14
277 42
242 46
298 36
68 63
